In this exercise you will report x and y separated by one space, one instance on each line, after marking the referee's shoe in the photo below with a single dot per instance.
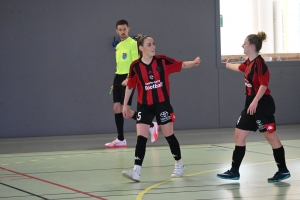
229 175
279 176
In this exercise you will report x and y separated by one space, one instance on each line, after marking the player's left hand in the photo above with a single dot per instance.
252 108
124 83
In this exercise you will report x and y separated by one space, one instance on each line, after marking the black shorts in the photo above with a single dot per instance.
263 119
162 111
119 89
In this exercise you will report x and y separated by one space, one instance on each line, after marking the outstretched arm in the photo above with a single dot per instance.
234 67
189 64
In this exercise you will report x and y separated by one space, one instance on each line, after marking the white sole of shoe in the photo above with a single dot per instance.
178 176
129 177
124 146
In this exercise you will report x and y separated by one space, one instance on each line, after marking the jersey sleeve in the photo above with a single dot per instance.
134 51
262 72
172 65
242 67
132 79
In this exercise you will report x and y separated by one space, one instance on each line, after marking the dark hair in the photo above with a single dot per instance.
257 40
140 42
121 22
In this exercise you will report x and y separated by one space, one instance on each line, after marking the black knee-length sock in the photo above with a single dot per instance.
174 146
120 124
140 150
237 157
280 159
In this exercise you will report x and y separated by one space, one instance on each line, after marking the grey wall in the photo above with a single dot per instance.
57 65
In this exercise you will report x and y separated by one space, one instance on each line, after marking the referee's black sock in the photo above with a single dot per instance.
280 159
140 150
237 157
120 124
174 146
134 115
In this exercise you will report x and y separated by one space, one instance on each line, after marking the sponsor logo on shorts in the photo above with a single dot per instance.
260 125
164 116
153 85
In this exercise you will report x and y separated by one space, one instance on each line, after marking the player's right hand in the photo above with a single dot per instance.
227 61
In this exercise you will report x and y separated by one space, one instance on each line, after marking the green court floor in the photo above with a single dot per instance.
96 174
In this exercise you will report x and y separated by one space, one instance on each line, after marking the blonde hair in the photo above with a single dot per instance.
140 42
257 40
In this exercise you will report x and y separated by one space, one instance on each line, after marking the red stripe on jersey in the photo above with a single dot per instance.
156 74
167 83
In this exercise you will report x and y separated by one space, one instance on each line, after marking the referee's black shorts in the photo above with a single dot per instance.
263 119
163 112
119 89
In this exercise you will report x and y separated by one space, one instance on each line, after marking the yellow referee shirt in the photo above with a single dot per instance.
126 52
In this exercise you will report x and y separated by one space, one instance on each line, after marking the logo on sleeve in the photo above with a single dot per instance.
124 56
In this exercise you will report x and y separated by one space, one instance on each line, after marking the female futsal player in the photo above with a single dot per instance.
150 74
258 112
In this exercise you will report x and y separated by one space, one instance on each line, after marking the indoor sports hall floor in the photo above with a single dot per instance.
78 167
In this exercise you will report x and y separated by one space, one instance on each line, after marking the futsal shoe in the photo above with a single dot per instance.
154 132
229 175
279 176
132 175
116 144
178 171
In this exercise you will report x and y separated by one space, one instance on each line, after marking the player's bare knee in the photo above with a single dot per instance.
117 108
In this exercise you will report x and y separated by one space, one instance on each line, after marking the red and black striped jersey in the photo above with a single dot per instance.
152 81
256 74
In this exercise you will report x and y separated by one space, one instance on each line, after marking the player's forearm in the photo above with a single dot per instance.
188 64
128 92
234 67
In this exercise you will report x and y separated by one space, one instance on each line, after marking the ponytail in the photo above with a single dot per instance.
140 42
